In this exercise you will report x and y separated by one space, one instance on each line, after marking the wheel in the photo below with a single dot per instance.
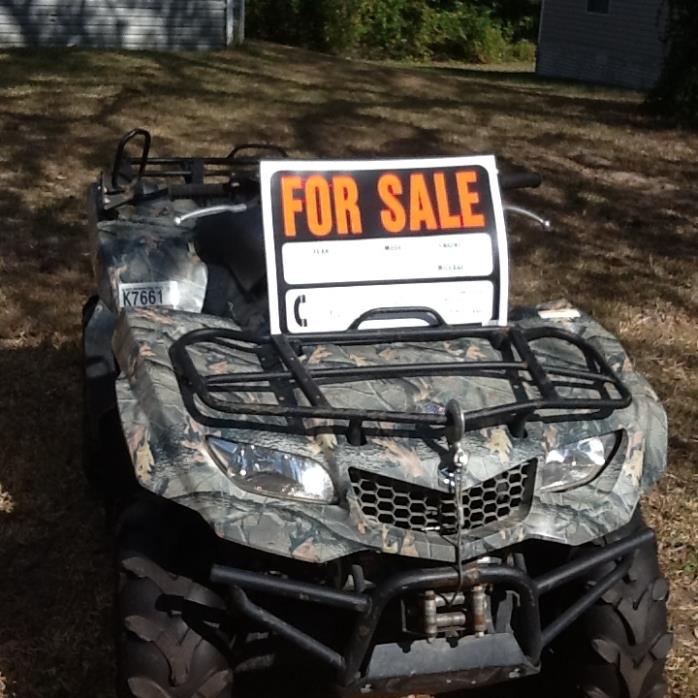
618 648
171 641
168 647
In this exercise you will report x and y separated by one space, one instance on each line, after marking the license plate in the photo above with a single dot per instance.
148 294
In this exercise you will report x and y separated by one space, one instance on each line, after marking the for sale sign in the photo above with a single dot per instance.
344 238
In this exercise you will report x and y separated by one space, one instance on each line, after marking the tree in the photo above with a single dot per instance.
676 94
470 30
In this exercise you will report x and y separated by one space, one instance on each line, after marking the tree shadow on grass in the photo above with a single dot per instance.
55 585
55 566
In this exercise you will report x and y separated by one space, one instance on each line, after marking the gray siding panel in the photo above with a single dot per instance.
131 24
623 47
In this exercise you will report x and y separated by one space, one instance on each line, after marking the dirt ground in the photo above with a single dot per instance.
620 188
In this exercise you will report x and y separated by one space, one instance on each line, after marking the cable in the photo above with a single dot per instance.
460 460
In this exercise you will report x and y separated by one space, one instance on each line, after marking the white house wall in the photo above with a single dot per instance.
623 47
131 24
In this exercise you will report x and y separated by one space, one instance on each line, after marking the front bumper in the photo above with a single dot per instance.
367 668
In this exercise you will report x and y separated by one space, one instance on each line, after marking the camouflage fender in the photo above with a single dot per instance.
144 245
171 457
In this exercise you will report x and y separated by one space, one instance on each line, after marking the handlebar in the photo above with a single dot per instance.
264 147
523 180
193 191
508 182
520 211
520 180
214 211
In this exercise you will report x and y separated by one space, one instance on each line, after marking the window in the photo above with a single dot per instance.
598 6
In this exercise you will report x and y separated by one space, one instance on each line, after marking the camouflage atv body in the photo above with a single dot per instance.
443 596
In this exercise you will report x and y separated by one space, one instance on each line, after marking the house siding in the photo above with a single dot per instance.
623 47
128 24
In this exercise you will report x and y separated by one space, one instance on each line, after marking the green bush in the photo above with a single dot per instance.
467 33
392 28
524 50
399 29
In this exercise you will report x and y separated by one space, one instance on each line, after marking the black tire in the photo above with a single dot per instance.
171 641
619 647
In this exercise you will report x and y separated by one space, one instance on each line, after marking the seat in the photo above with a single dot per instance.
234 241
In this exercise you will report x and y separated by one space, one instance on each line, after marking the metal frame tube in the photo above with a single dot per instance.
300 591
267 620
371 605
576 568
565 619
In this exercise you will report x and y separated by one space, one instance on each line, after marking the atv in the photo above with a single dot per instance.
376 511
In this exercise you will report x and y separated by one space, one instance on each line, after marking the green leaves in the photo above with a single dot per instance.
475 31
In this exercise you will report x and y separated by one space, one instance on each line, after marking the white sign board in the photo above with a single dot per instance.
344 238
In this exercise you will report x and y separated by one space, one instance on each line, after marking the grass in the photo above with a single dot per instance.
619 187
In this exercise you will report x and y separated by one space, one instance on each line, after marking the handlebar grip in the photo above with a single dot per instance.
190 191
520 180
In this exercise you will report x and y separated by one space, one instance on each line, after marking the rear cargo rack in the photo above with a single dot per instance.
278 357
194 177
193 170
198 169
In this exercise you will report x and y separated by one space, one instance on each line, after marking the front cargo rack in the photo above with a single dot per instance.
281 366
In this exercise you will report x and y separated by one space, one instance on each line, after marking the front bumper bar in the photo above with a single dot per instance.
359 667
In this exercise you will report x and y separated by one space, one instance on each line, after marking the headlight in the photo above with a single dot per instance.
577 464
272 472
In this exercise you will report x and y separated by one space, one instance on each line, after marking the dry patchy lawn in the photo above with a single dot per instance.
620 188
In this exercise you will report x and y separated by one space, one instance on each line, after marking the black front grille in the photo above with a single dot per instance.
398 503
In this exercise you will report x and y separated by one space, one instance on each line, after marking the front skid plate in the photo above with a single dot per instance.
440 666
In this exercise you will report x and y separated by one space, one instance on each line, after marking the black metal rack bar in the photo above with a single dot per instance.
370 606
512 342
185 166
539 376
369 372
297 370
291 589
201 176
